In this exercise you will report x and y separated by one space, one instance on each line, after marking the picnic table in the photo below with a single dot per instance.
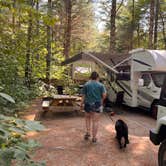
59 103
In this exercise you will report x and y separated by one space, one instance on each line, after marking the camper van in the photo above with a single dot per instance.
139 81
135 81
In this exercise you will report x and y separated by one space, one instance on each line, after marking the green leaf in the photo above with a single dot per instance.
29 145
19 154
33 143
7 97
4 133
34 126
6 156
2 117
17 130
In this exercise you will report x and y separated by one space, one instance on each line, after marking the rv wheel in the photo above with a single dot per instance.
154 110
119 98
162 154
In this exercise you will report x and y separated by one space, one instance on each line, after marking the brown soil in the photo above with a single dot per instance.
63 144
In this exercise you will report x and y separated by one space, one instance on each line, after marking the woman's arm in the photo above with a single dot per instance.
103 97
82 101
104 93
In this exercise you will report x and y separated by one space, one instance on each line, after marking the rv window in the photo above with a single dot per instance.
158 79
146 79
123 76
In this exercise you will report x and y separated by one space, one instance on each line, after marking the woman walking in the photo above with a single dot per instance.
94 93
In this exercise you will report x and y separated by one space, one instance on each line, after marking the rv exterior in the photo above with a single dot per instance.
140 78
135 81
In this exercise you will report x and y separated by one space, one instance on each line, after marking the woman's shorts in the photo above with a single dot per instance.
93 107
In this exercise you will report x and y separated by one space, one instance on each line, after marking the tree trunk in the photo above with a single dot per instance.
37 20
28 52
163 30
13 16
68 8
48 57
151 25
19 18
157 6
138 36
113 28
132 26
37 25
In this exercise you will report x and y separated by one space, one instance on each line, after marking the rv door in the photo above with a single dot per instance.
162 101
145 91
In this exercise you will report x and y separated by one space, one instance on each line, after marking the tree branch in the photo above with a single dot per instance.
119 6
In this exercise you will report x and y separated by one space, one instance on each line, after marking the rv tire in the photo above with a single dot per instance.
119 98
162 154
153 109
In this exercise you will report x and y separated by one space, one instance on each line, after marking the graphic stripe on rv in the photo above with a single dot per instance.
141 94
142 63
121 86
115 91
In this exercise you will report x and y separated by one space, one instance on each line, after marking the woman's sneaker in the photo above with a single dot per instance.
86 136
94 140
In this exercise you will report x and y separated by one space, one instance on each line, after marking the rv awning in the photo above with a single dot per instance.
73 59
107 60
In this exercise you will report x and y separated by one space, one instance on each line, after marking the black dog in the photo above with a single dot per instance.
121 133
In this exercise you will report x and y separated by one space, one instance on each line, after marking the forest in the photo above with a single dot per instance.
37 35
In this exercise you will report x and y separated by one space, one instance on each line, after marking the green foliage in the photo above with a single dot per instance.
23 40
7 97
14 148
128 22
21 95
14 25
72 88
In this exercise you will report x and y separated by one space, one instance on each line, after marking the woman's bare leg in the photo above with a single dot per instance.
95 121
88 122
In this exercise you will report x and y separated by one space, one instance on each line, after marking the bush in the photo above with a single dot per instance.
13 145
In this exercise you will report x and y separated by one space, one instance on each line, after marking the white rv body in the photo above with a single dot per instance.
148 66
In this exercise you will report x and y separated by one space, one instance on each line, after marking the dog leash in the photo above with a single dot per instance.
106 114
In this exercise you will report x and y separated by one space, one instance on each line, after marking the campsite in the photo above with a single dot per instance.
82 82
64 137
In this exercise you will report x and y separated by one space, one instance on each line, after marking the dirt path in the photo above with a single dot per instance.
63 143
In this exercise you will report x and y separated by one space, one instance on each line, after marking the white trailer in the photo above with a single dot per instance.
140 79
